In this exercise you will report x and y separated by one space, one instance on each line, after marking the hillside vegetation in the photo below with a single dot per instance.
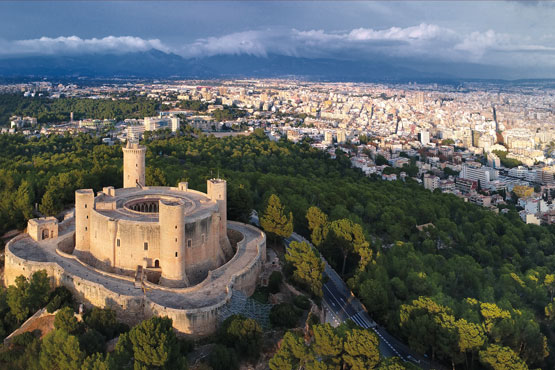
473 289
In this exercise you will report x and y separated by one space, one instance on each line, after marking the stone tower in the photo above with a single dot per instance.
84 203
217 191
133 165
172 243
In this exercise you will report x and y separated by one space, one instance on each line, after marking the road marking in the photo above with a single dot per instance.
335 298
389 344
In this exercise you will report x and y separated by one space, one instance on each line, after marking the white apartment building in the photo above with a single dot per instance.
520 172
135 132
431 182
479 173
154 123
424 137
175 123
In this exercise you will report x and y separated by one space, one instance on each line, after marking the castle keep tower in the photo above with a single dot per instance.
84 203
217 191
172 243
133 165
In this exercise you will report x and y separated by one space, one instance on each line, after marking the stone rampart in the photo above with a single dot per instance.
96 287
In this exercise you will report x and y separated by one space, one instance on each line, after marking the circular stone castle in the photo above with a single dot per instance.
145 251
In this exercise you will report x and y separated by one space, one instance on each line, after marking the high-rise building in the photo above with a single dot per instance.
341 136
328 137
424 137
175 123
493 160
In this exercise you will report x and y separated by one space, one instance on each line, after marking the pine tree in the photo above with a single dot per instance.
318 225
274 220
309 268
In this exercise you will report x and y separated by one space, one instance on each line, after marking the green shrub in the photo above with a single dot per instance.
261 294
104 320
92 342
284 315
274 283
59 297
302 302
223 358
242 334
66 320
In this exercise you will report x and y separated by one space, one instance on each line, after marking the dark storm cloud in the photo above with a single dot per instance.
494 33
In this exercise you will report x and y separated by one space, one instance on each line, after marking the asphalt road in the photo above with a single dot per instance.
343 305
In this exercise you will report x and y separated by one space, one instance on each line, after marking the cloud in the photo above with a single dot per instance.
75 45
257 43
310 43
478 46
421 32
423 42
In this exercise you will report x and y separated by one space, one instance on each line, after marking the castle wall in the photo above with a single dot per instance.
133 307
15 266
129 309
196 322
246 279
132 236
202 252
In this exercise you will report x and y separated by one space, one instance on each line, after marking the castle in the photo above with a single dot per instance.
146 251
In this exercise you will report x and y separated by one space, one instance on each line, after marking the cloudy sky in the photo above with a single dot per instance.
516 34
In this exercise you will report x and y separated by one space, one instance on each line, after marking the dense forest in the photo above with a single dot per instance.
471 288
48 110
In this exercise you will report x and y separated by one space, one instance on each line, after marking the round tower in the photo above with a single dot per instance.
133 165
172 243
84 203
217 191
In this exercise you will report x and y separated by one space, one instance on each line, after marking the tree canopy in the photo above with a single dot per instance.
328 348
308 266
274 220
466 254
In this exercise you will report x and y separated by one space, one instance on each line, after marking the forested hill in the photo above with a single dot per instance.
472 289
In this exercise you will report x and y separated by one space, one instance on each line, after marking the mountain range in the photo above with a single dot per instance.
157 64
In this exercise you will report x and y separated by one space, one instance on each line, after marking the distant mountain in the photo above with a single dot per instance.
157 64
152 63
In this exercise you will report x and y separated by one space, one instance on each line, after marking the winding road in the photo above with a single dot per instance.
341 303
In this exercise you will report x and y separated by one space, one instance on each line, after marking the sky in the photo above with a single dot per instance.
515 34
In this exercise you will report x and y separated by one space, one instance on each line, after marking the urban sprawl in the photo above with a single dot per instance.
487 144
